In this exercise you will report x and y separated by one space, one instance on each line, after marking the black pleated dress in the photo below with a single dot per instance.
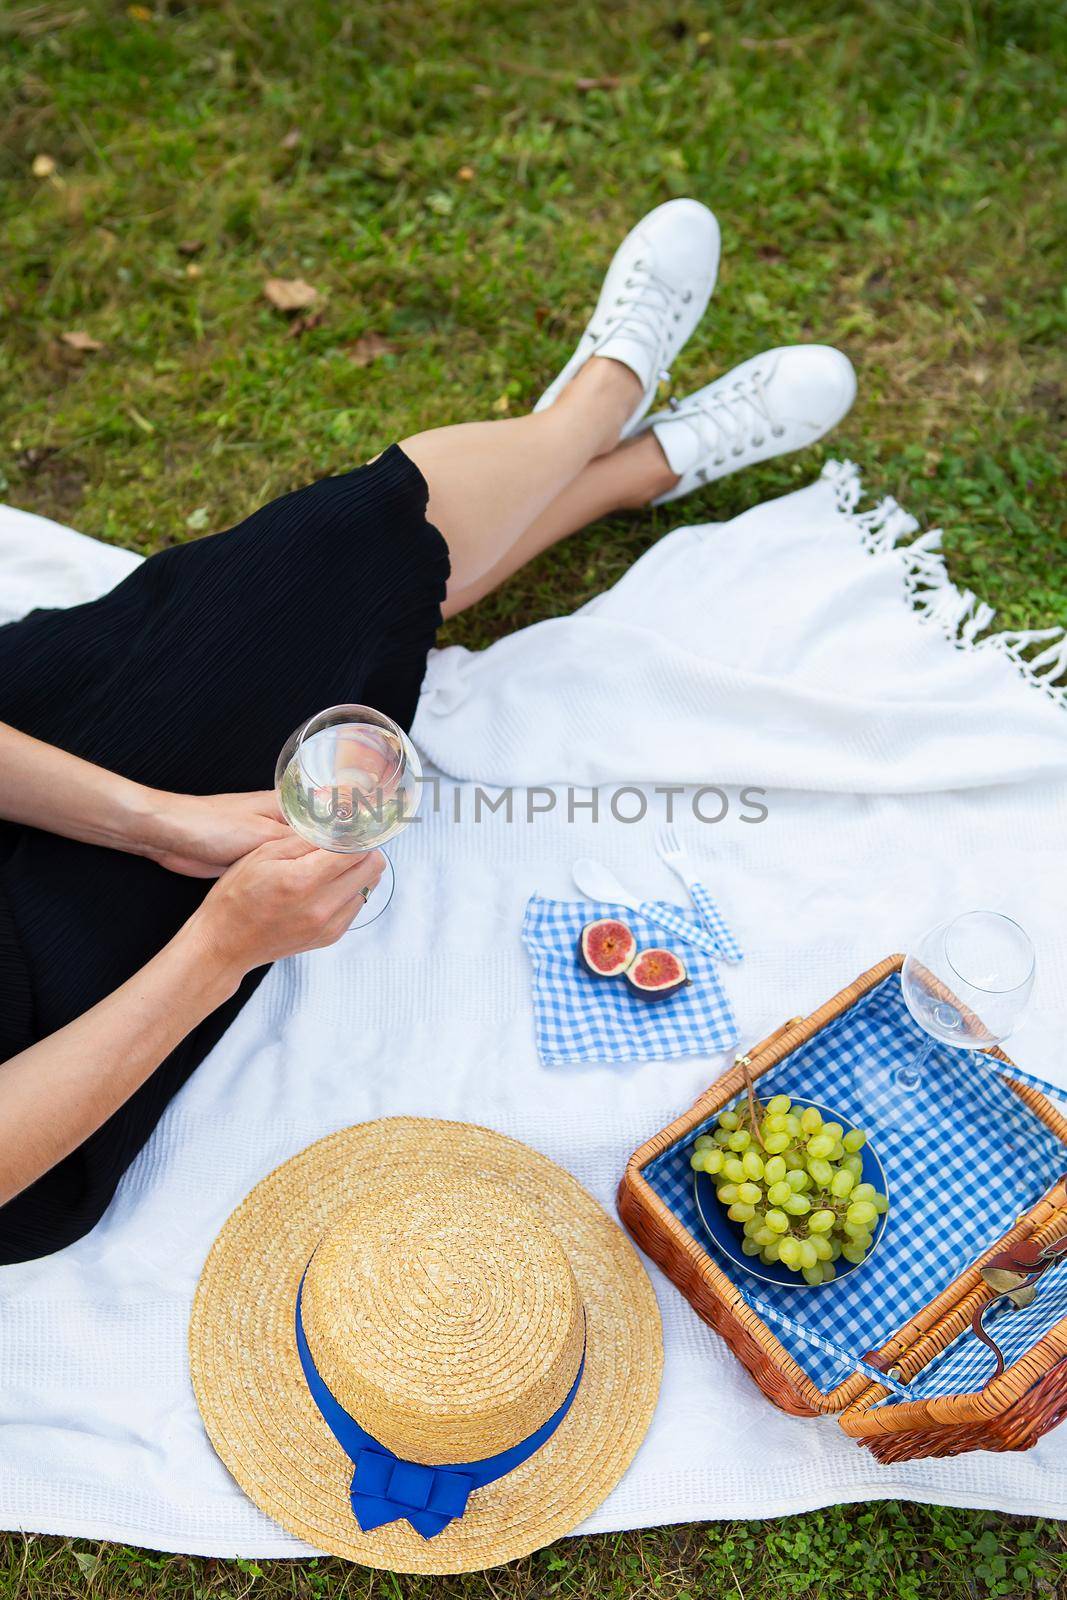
189 676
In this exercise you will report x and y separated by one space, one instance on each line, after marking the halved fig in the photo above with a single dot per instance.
606 948
655 974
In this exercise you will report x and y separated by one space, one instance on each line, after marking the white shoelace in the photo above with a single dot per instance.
734 426
646 312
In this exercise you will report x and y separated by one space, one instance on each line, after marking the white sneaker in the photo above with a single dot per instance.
655 292
775 403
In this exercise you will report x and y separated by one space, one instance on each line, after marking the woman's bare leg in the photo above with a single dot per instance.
629 477
489 481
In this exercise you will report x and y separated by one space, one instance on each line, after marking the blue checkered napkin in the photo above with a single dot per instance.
581 1018
669 919
963 1157
708 907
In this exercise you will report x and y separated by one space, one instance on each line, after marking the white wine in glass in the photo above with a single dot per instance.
349 779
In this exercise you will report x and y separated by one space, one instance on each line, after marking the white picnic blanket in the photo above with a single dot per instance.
911 771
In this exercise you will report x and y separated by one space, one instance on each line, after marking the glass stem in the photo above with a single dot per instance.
910 1076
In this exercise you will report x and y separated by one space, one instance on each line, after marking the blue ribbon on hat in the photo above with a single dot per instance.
385 1488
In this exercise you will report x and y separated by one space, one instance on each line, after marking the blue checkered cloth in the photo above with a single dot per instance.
581 1018
714 920
967 1364
963 1157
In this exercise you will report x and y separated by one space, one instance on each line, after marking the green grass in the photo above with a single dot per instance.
882 1552
888 177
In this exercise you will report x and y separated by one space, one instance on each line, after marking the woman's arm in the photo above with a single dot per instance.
198 835
282 898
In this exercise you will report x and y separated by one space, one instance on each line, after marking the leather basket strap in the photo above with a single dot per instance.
1016 1273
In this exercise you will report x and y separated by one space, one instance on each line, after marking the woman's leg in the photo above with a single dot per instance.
770 405
489 481
626 479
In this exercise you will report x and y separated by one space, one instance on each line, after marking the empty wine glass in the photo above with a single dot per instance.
348 779
966 983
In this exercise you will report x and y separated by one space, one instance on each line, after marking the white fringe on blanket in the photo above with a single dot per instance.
958 613
802 644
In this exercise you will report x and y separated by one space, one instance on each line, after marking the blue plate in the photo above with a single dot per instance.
727 1235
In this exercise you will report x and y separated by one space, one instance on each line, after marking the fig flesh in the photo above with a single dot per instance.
655 974
606 947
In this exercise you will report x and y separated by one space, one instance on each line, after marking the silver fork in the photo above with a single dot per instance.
669 849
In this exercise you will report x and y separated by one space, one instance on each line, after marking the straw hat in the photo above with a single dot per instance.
454 1295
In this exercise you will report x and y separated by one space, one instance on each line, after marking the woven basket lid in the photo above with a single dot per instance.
452 1280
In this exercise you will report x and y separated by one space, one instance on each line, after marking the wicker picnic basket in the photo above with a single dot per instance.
1011 1412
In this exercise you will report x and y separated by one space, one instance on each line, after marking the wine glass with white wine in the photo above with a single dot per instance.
966 983
348 780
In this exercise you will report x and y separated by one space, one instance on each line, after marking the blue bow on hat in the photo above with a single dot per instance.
386 1488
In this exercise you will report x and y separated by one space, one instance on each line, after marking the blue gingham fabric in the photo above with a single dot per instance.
581 1018
963 1157
967 1364
683 925
716 923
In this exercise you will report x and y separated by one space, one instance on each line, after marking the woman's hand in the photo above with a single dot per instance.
282 898
198 835
201 835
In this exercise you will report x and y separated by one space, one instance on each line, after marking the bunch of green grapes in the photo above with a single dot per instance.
797 1188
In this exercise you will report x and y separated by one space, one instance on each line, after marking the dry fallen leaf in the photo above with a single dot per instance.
291 140
305 324
78 339
290 294
583 85
139 13
502 405
198 520
190 247
465 174
367 348
43 166
194 271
